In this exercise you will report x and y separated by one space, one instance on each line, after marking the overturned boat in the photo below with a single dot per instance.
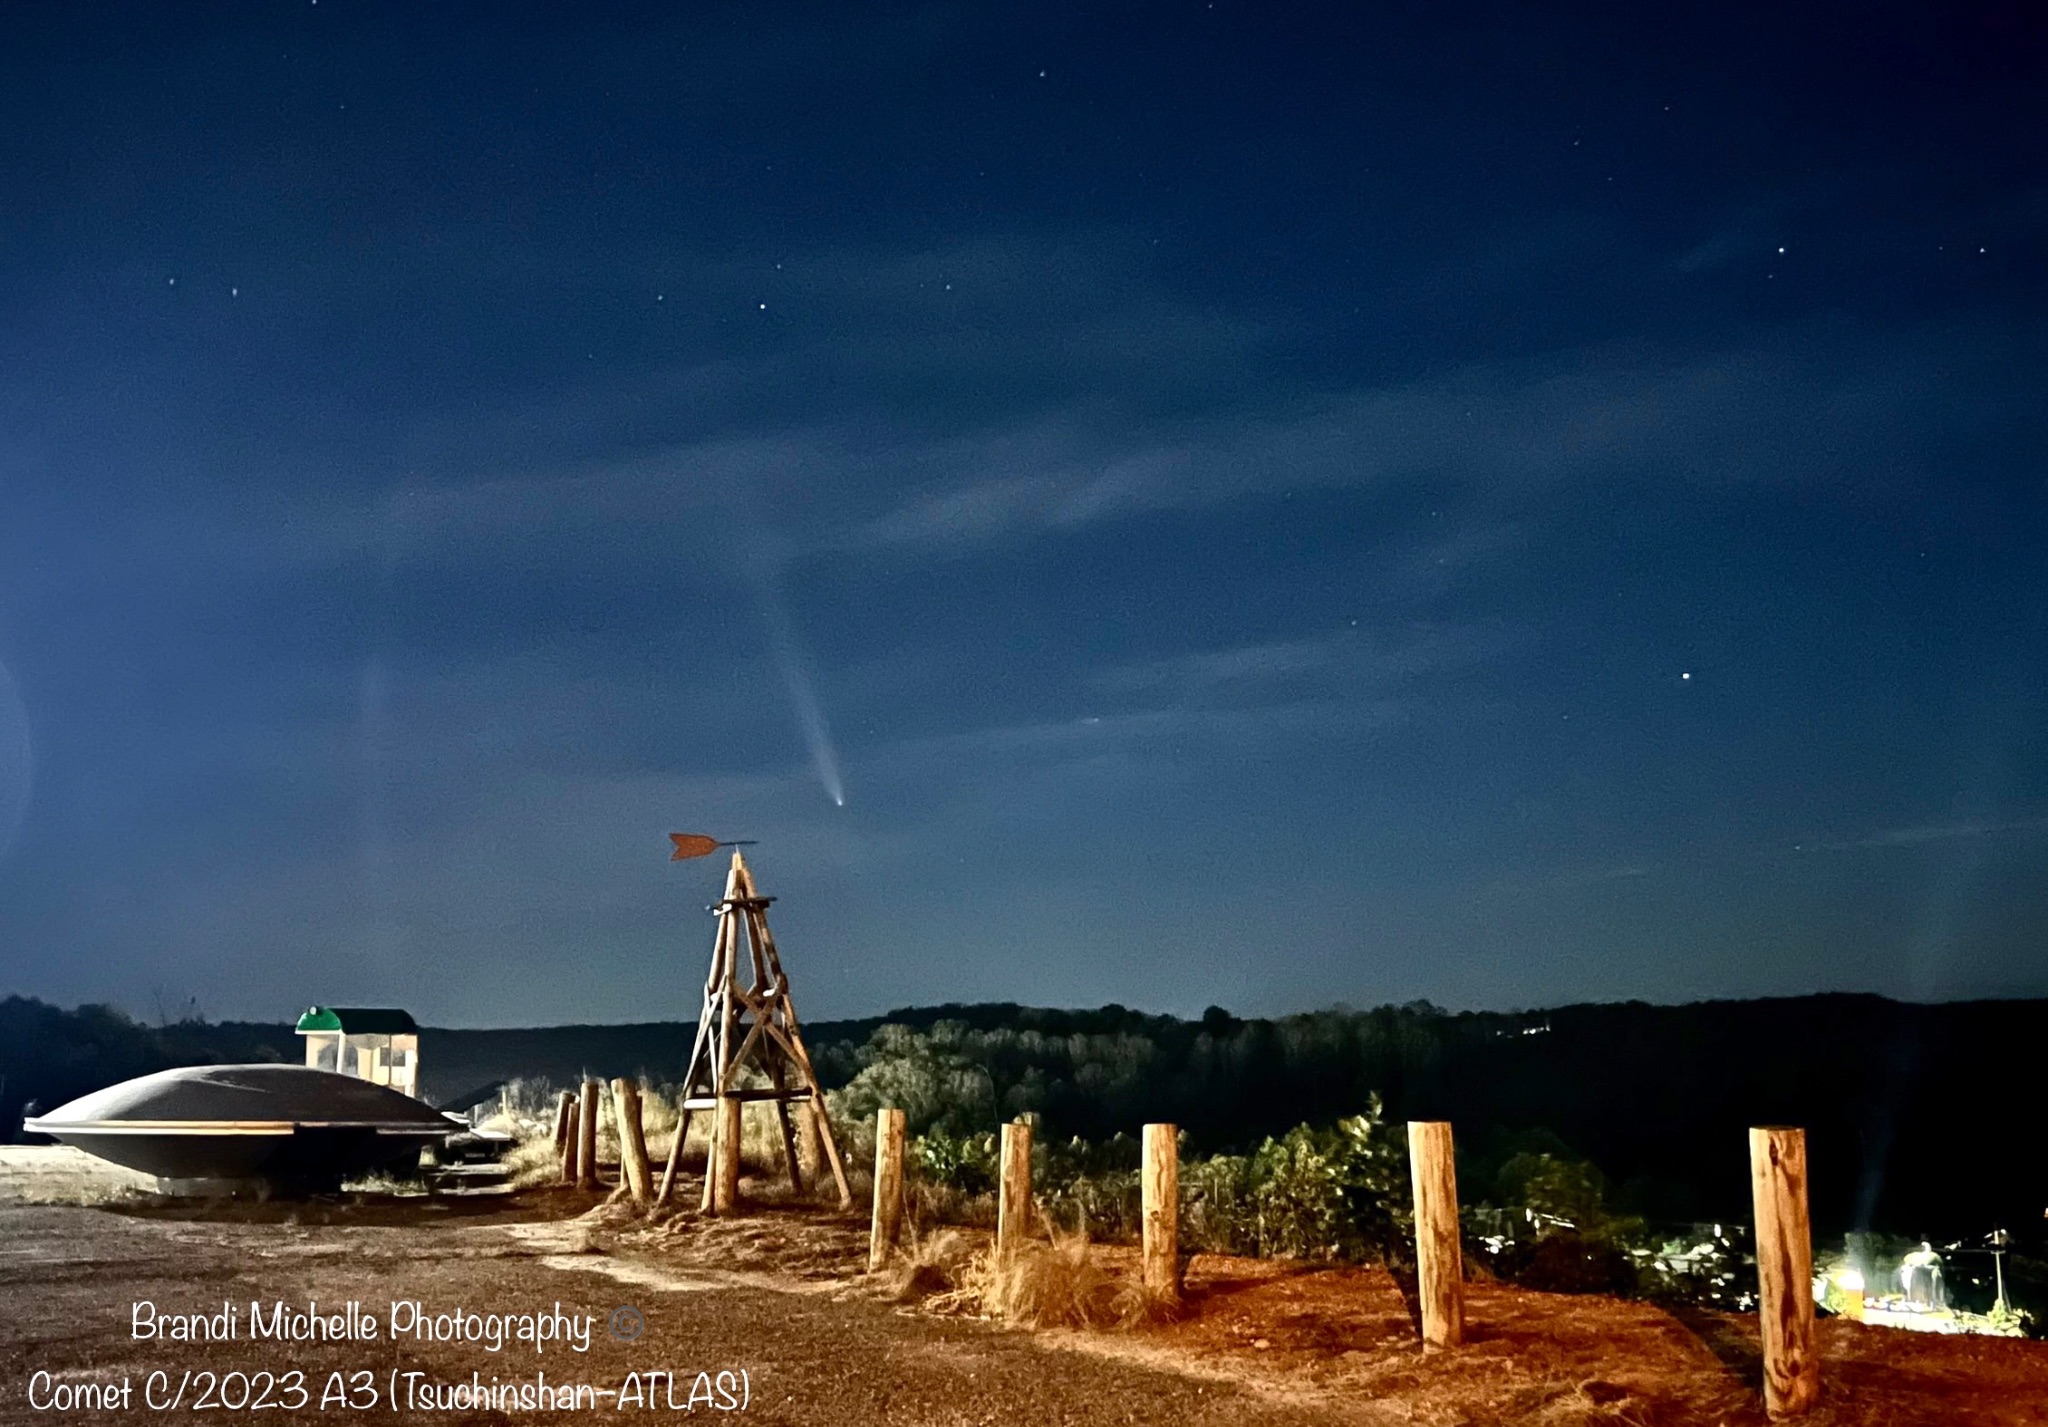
212 1129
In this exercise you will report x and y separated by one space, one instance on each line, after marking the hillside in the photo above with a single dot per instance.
1912 1109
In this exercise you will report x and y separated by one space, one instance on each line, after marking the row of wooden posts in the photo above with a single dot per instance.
576 1121
1777 1158
1784 1247
575 1143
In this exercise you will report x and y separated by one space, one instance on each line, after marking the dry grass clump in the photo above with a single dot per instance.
930 1265
532 1162
930 1203
1054 1284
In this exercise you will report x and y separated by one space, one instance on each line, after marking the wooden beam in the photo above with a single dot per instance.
572 1139
586 1137
710 1102
1439 1254
1159 1203
888 1220
710 1162
725 1176
809 1146
789 1157
562 1104
822 1124
1013 1196
675 1159
1784 1270
632 1139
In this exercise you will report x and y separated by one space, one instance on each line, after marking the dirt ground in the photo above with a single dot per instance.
781 1297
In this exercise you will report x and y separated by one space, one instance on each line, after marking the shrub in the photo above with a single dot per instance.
1340 1192
1566 1261
967 1163
1088 1187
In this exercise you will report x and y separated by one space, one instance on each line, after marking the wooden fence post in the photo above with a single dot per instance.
1784 1269
1013 1197
888 1222
566 1138
1159 1205
725 1156
633 1163
586 1137
1439 1255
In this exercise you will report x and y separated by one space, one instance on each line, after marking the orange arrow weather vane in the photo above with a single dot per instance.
696 844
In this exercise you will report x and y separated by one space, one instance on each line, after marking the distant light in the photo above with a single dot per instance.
1849 1281
1686 675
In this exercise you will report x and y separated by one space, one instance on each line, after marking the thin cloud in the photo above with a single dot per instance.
1852 411
1350 659
1091 734
1250 663
1925 833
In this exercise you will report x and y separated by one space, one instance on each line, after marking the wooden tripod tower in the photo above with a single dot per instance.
748 1032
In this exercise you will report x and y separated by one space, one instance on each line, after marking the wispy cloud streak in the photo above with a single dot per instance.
1933 832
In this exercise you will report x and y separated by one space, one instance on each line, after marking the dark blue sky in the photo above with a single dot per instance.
1255 504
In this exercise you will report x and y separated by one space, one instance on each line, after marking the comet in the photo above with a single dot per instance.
795 670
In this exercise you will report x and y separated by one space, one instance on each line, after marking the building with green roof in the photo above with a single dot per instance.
380 1044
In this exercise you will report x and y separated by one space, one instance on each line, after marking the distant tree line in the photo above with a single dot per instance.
1920 1117
49 1056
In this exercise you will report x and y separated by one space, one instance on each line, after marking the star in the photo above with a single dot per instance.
1686 675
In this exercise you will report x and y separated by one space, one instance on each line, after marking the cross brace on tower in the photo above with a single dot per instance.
742 1029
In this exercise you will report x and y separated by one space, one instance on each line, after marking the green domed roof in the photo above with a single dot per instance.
358 1021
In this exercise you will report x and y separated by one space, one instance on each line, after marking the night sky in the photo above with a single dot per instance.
1261 504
